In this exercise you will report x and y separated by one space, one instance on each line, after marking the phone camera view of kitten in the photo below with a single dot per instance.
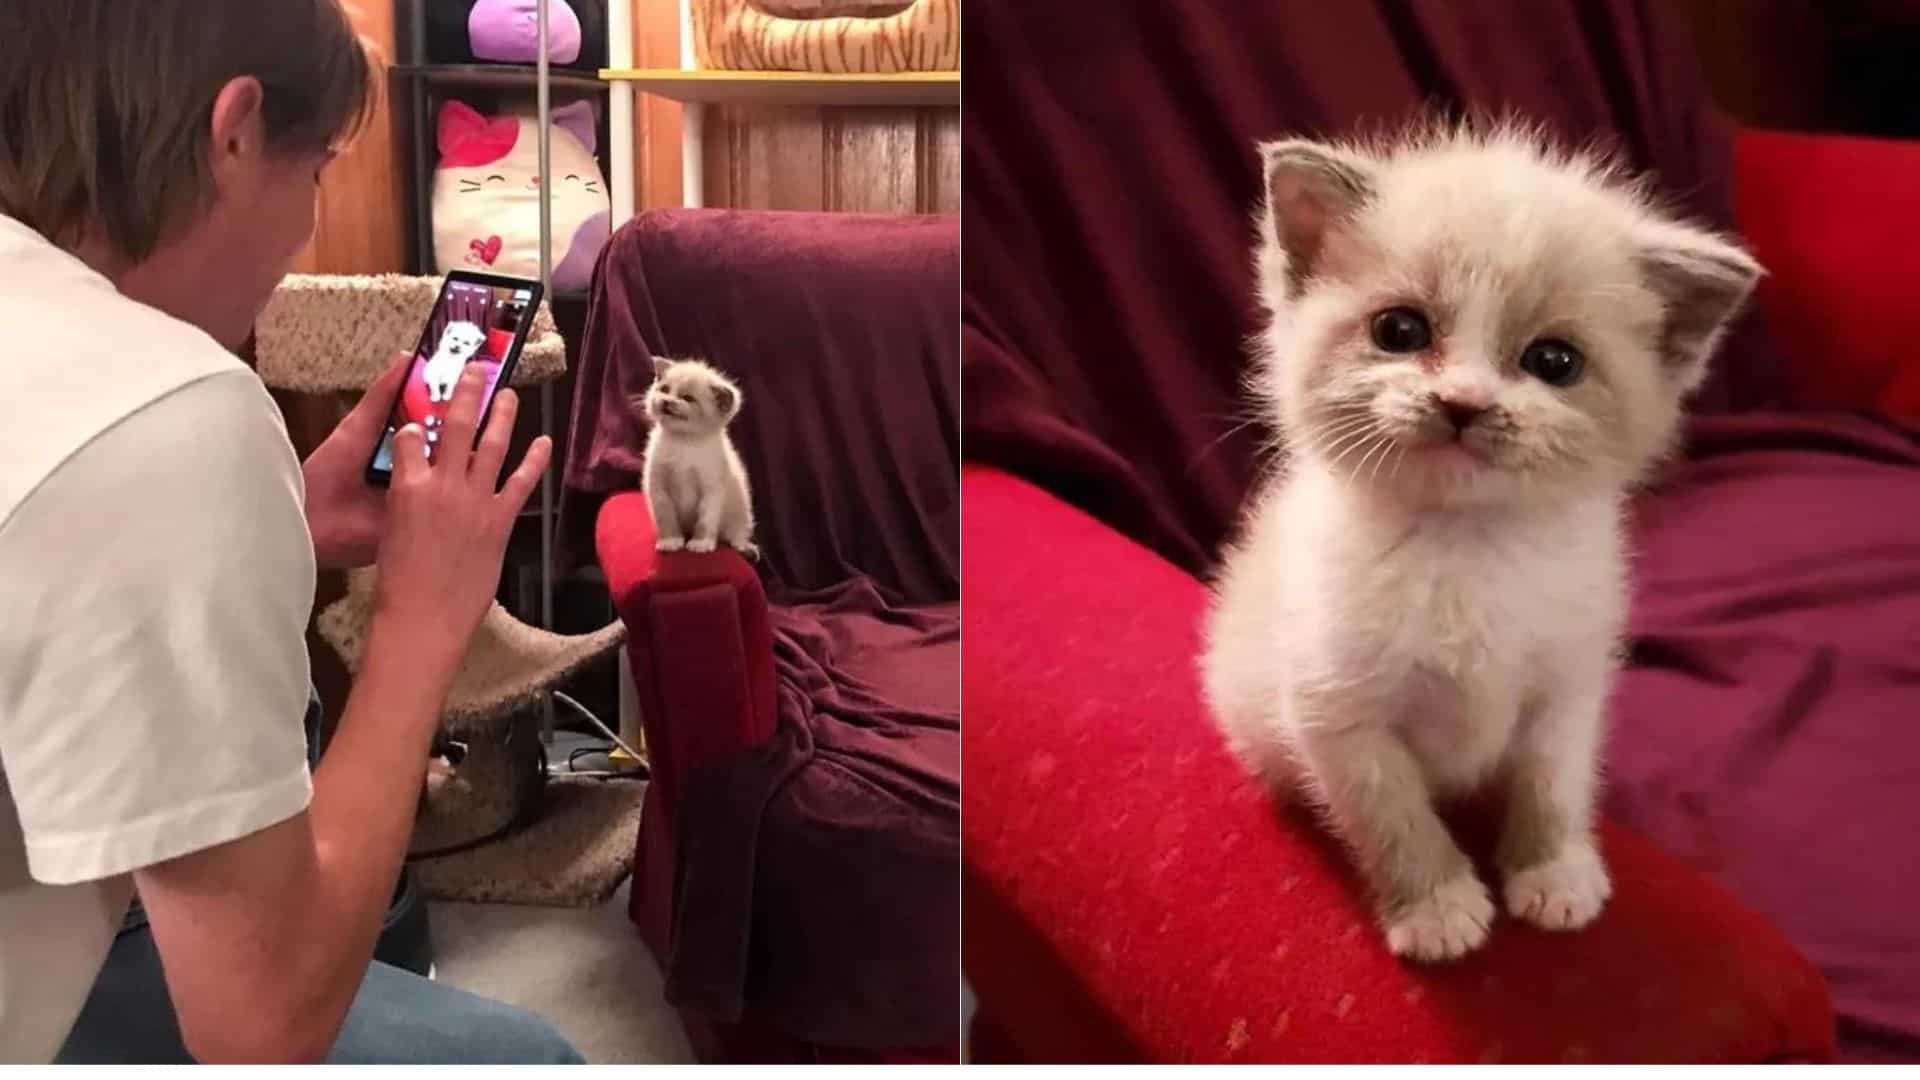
694 481
459 343
1476 346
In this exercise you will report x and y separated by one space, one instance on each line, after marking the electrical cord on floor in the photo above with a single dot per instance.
587 714
639 772
584 751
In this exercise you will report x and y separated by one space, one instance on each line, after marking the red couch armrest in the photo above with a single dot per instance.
699 640
1130 895
1836 222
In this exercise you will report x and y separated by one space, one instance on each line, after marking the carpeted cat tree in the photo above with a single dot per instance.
569 843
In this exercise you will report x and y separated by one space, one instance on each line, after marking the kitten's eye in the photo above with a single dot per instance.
1402 330
1555 363
573 176
496 177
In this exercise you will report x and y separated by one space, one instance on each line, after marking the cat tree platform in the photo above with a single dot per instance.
328 334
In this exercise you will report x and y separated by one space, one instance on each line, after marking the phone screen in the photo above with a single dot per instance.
474 322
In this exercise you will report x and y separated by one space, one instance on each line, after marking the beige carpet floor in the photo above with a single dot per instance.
582 968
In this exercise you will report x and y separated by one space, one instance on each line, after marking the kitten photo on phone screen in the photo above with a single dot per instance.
694 481
1477 346
459 343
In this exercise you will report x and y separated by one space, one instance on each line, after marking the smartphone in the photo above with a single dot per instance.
479 318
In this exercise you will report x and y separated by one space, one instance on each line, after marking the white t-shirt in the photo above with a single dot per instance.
156 577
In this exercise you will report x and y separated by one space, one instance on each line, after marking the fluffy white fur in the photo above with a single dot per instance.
694 480
1417 609
459 343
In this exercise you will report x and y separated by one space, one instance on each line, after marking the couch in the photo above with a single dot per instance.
1128 893
796 869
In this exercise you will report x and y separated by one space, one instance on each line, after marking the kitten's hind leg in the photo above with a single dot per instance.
737 531
1431 904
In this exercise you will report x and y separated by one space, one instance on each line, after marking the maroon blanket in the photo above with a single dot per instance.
819 881
1767 726
1110 175
839 328
1766 730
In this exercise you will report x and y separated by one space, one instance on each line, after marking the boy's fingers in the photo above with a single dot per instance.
463 419
409 453
492 452
519 487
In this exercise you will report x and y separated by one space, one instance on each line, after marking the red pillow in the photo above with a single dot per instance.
1836 221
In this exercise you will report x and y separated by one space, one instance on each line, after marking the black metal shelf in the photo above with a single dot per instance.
500 77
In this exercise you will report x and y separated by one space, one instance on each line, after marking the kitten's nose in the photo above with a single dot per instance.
1460 414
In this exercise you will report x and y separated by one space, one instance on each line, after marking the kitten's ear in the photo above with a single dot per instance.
661 365
726 399
1310 188
1704 281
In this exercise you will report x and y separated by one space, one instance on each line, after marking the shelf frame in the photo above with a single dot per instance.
709 86
498 77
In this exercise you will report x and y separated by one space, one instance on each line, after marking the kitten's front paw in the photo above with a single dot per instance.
1563 893
1446 924
701 545
671 543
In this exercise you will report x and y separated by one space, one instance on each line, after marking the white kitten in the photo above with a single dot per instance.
1476 347
694 480
459 342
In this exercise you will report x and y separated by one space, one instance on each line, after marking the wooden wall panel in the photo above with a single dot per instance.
656 142
798 158
939 166
902 161
362 224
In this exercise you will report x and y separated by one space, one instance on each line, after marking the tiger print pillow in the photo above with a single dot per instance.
834 36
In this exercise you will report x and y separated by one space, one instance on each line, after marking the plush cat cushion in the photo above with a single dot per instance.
507 32
486 194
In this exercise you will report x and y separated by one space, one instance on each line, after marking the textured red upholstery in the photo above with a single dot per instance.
700 645
1839 290
1129 895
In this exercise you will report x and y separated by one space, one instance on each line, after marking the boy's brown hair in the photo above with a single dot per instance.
106 106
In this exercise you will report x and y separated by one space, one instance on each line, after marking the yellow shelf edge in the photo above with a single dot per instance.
665 75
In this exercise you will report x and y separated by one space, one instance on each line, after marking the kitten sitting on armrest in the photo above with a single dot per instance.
1477 346
694 481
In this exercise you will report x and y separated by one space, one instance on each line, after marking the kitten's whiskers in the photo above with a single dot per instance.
1376 446
1352 440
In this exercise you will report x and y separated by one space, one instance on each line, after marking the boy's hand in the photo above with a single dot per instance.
449 522
346 515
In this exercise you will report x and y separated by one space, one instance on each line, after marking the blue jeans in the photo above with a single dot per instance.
398 1018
